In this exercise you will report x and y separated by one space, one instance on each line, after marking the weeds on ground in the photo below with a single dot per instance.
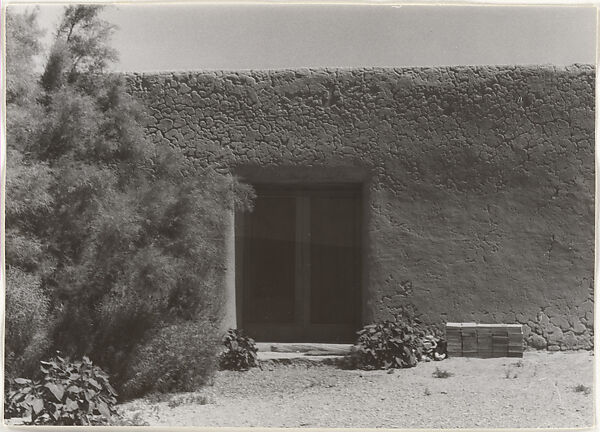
135 420
518 364
442 373
427 392
508 374
156 397
175 400
191 399
580 388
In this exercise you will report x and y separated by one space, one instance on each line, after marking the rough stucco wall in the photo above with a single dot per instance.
480 180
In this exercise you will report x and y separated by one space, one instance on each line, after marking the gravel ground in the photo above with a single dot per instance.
537 391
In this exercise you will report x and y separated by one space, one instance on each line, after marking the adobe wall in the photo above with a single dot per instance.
479 180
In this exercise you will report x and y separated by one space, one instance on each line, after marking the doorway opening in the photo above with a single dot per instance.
298 264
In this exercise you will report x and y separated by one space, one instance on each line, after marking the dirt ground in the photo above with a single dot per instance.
539 390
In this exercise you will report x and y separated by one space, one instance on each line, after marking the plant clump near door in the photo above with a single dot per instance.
397 343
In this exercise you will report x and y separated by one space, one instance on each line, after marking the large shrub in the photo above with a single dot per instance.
178 357
123 237
28 202
26 322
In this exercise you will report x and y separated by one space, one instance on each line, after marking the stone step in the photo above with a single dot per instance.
295 358
307 349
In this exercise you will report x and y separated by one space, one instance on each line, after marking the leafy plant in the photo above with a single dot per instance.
442 373
394 343
240 351
76 393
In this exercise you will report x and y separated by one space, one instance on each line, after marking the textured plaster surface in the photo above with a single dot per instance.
478 181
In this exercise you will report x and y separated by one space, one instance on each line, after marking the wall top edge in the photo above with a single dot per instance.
576 67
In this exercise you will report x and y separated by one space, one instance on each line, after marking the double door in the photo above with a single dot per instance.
298 259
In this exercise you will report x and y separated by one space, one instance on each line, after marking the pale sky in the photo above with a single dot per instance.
162 37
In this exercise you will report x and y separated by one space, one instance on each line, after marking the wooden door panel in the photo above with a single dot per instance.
269 257
334 270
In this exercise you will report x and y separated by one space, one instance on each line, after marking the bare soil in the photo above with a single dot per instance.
541 390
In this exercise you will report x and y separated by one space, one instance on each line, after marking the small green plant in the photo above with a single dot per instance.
76 393
580 388
519 364
394 343
442 373
240 351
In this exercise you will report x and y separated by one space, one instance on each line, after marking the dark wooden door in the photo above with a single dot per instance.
298 260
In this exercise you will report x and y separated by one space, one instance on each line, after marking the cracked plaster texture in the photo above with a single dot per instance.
478 181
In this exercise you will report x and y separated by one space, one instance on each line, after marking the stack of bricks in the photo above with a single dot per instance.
454 339
468 334
515 340
484 340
